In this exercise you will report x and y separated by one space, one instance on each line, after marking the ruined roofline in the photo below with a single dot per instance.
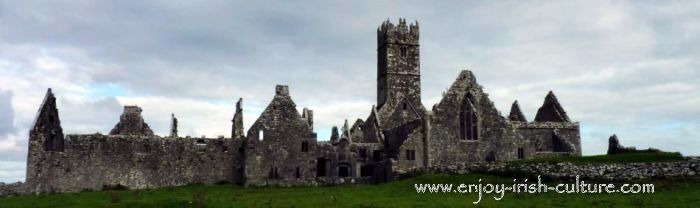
515 113
155 136
282 95
49 96
551 110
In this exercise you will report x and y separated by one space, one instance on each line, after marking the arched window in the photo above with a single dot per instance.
304 146
403 51
468 119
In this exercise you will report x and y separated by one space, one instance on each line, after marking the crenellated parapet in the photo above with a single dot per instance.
405 34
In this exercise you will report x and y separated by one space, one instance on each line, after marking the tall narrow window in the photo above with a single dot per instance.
305 146
521 153
261 135
403 51
297 173
468 120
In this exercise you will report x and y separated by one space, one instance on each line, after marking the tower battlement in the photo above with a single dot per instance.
404 34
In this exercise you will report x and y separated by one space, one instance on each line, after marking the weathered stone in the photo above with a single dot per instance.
173 126
131 123
614 147
551 110
516 114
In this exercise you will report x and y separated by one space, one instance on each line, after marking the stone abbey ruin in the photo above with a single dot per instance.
281 148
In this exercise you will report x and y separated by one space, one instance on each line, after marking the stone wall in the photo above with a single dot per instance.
553 136
690 167
12 189
96 161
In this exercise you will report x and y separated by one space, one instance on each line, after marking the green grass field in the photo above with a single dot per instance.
668 193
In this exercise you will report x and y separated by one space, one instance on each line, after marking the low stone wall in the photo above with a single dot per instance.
12 189
566 171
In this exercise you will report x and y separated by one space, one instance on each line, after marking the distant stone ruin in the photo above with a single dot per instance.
614 147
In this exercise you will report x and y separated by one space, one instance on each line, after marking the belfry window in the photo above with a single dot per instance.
468 119
403 51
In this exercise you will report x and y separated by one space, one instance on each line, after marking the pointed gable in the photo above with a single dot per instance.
551 110
372 128
48 124
279 116
515 113
461 88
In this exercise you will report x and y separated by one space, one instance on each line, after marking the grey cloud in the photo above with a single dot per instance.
7 114
621 64
89 116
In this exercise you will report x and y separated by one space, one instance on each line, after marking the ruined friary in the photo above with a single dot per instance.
281 148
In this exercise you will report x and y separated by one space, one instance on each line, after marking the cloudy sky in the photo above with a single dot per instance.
629 68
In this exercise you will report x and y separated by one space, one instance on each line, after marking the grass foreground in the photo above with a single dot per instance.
668 193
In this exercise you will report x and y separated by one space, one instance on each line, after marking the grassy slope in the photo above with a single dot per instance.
673 193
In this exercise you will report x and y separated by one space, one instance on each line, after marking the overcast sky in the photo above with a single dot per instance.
618 67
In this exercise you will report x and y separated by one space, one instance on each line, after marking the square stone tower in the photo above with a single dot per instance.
398 64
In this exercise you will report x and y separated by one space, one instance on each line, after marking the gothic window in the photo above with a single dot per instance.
305 146
468 120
